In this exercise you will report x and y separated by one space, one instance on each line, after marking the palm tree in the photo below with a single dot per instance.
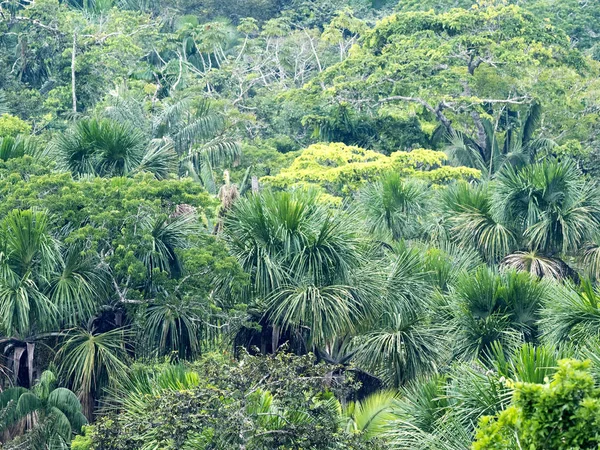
369 416
302 258
160 238
131 394
16 147
395 206
571 314
108 148
41 286
172 326
197 135
491 307
551 204
50 414
190 127
475 220
28 255
404 345
77 285
90 361
493 151
528 363
539 265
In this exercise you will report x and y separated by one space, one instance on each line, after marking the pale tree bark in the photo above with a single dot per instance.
73 93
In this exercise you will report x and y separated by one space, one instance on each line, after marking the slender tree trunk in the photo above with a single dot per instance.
74 95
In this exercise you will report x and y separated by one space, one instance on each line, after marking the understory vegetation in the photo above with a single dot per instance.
299 224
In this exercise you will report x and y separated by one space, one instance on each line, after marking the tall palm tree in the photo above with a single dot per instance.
493 151
403 342
28 257
197 135
395 206
303 259
41 285
551 204
108 148
160 237
49 414
490 307
90 362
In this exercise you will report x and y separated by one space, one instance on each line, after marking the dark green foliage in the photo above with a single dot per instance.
196 195
255 404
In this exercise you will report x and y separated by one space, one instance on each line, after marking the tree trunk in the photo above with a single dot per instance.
74 95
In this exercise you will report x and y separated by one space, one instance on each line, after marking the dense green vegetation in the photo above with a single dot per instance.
299 224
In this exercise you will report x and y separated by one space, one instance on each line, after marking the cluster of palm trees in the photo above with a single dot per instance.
436 293
433 291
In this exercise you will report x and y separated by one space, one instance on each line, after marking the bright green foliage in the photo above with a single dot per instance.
12 126
341 169
411 196
453 72
82 441
574 17
563 413
369 416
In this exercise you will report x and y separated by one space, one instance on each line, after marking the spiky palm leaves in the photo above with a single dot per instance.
474 220
41 285
493 151
403 343
370 415
90 361
302 258
541 212
16 147
188 130
100 147
106 147
441 412
28 257
197 134
572 314
491 307
550 203
50 414
131 394
394 206
172 326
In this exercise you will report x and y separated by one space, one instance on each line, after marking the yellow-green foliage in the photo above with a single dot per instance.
562 414
13 126
83 441
340 168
